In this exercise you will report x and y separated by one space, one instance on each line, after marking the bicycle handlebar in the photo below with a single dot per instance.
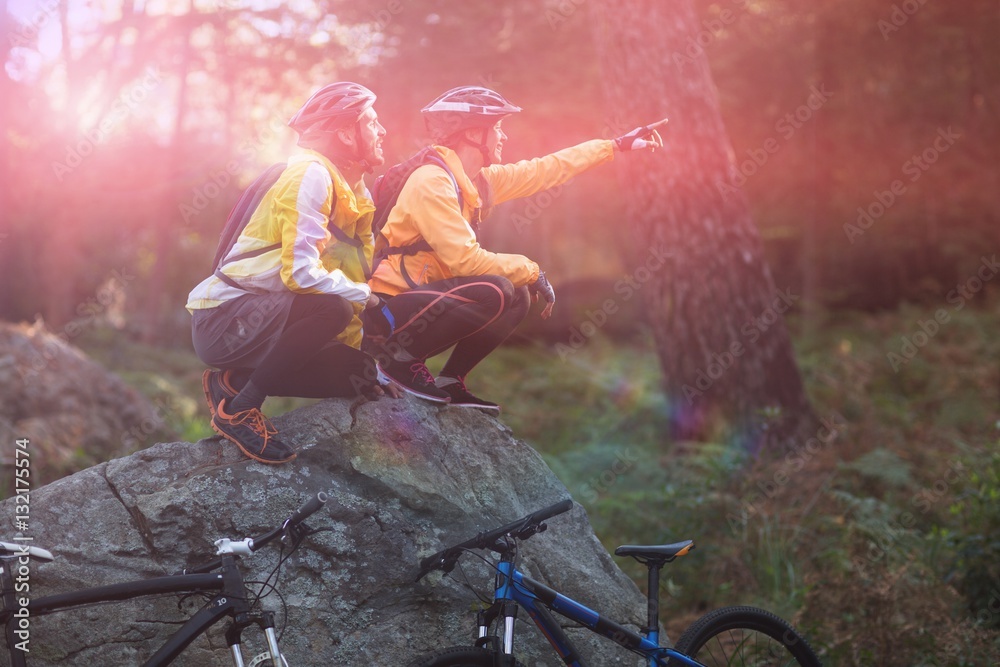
523 528
307 509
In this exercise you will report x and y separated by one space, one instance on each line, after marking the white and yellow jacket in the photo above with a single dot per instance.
288 245
428 209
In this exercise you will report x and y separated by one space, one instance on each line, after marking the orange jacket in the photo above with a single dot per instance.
428 209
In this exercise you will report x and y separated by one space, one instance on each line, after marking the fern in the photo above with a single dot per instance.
882 465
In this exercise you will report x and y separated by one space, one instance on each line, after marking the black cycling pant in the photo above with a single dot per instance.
307 361
475 314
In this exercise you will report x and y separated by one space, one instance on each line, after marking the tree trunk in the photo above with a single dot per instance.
164 235
727 360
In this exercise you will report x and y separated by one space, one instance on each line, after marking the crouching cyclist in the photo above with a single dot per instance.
280 314
442 287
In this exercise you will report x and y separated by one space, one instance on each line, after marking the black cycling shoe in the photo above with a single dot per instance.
414 378
463 398
253 433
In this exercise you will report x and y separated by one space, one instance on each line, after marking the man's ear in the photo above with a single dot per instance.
346 136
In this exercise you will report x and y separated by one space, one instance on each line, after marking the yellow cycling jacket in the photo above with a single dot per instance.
428 209
289 245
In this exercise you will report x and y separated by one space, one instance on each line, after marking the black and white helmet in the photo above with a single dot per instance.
465 107
331 107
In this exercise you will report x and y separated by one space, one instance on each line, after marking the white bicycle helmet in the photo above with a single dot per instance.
465 107
331 107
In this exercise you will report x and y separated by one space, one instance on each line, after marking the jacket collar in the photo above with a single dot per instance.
357 201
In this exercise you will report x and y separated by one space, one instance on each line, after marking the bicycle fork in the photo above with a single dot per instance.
485 618
505 607
234 633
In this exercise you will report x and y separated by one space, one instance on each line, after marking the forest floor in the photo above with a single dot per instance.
880 538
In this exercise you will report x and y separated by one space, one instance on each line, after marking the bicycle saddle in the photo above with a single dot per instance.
655 552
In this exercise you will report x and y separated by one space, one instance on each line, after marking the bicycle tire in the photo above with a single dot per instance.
460 656
744 636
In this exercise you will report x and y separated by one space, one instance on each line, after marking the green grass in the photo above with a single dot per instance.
605 394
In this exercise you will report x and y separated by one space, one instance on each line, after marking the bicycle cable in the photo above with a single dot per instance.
297 541
259 594
468 584
281 600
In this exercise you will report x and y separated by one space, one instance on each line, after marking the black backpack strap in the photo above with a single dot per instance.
406 275
406 251
412 249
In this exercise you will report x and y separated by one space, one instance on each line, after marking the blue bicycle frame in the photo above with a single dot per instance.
514 589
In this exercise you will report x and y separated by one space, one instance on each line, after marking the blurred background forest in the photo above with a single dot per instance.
863 134
131 128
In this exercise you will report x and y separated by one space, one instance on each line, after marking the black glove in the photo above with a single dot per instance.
378 321
641 137
543 288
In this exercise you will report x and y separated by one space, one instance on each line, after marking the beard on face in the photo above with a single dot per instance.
373 151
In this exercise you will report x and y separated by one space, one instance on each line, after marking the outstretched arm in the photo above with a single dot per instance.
525 178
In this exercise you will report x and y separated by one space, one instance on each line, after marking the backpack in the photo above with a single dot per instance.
385 194
238 219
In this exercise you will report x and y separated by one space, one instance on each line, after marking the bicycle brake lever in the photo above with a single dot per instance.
294 534
529 531
449 562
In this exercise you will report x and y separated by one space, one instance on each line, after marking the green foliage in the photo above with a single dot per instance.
883 465
607 394
976 541
865 548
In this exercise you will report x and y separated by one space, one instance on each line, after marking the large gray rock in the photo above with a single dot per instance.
74 412
405 479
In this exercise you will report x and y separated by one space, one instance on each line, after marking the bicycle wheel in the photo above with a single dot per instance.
459 656
744 636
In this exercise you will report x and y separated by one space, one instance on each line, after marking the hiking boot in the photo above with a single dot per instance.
218 386
463 398
253 433
414 378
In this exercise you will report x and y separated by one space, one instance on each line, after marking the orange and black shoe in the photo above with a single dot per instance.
218 386
253 433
